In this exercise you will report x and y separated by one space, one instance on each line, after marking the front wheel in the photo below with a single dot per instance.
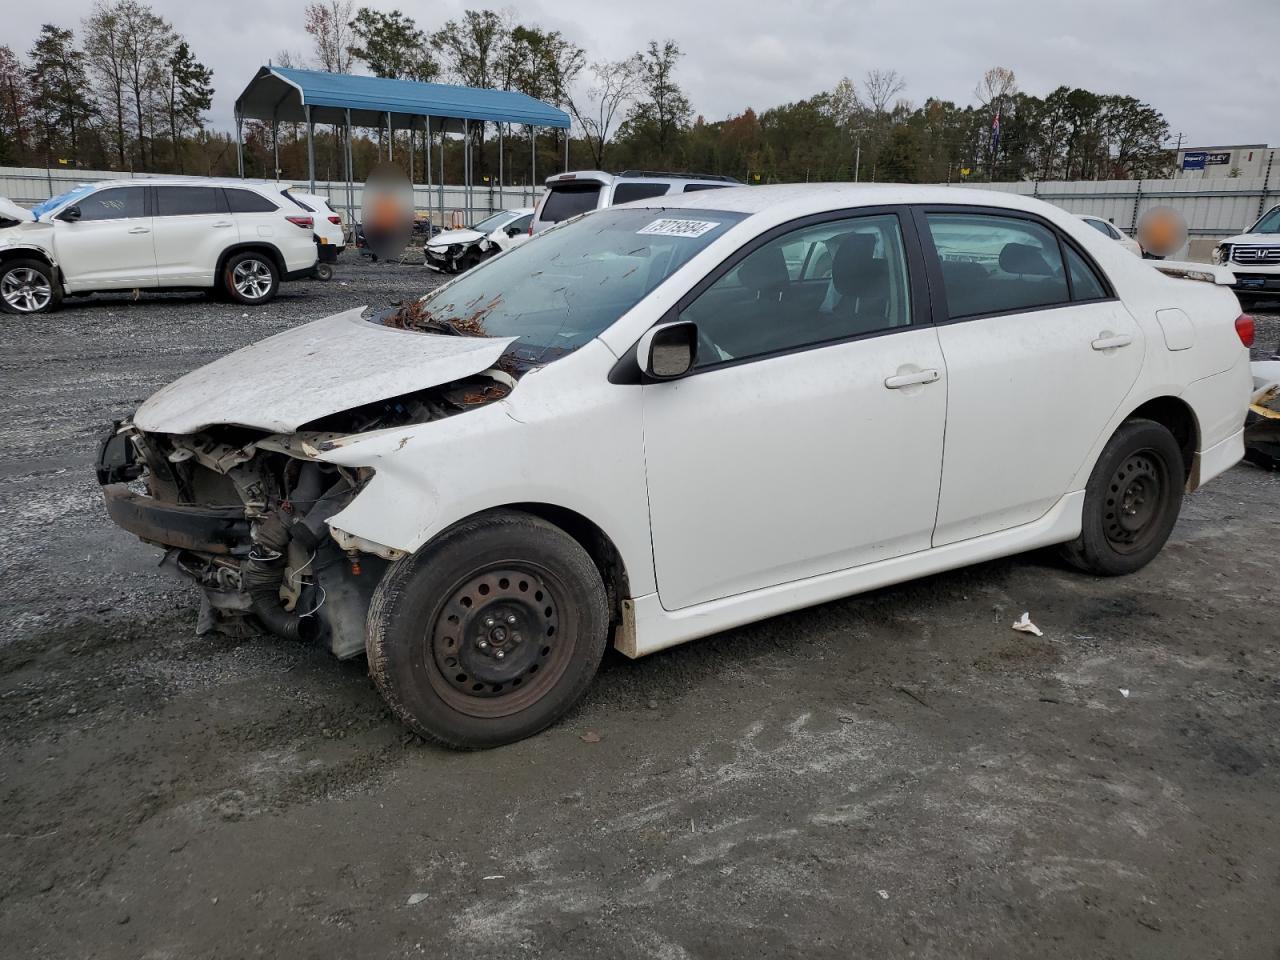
250 277
490 633
28 286
1131 501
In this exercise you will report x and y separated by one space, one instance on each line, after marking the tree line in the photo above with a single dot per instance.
132 95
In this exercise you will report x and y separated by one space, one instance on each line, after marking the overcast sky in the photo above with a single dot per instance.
1211 68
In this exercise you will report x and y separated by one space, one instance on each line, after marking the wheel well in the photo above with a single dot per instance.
266 248
597 544
1179 419
25 253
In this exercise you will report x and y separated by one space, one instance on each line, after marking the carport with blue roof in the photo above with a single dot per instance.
288 95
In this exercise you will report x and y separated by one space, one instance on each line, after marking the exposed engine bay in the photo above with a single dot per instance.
244 513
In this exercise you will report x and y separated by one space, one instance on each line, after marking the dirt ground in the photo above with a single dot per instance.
898 774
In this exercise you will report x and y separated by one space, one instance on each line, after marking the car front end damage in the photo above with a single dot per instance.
244 512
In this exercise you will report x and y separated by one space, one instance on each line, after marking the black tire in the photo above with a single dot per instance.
249 271
505 581
28 286
1131 501
323 272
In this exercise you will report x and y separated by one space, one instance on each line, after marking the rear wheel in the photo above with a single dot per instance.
28 286
1131 501
250 277
490 633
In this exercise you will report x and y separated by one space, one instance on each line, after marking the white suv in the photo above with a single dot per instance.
1254 256
569 194
240 238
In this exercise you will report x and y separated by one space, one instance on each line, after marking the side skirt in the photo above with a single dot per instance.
646 627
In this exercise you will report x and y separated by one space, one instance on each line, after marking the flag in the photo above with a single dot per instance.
995 132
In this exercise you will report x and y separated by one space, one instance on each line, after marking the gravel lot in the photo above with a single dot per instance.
897 774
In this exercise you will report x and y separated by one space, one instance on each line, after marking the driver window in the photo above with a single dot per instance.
118 203
825 282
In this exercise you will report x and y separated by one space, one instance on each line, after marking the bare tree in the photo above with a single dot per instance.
148 43
614 88
104 47
329 24
882 87
996 85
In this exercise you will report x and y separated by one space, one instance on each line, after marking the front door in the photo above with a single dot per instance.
1039 356
808 438
111 246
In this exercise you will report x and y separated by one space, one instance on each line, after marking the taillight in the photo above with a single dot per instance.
306 223
336 220
531 229
1244 329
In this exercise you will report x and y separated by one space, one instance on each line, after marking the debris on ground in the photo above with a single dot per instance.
1024 625
590 737
416 898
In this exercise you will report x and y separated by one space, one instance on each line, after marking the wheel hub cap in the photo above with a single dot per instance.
26 289
1133 500
252 279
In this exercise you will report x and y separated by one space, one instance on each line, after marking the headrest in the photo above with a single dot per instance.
1025 259
853 267
765 270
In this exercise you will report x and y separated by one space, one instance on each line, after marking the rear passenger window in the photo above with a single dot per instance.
626 192
1085 282
826 282
187 201
246 201
993 264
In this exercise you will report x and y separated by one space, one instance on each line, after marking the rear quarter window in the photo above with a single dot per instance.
568 201
626 192
246 201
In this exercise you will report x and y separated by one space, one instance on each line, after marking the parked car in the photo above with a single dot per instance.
569 194
1253 257
1109 229
657 423
238 237
452 251
330 235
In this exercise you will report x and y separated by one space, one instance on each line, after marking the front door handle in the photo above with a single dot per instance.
911 379
1111 341
140 230
223 223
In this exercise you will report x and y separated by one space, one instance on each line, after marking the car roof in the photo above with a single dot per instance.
806 198
634 176
187 182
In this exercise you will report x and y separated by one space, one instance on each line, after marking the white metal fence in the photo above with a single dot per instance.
30 185
1213 208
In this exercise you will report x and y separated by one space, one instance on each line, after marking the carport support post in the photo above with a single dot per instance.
443 127
239 147
533 158
351 174
428 165
275 145
391 132
311 149
566 149
466 169
500 197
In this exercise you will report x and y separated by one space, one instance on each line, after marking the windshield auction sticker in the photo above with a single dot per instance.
677 228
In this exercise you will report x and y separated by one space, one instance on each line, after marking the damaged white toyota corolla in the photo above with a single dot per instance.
655 423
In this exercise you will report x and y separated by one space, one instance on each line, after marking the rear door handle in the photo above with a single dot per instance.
140 230
223 223
911 379
1108 341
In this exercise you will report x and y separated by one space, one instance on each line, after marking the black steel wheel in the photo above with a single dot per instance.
489 633
1131 501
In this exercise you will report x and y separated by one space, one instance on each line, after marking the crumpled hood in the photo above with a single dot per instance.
1261 239
315 370
465 235
11 211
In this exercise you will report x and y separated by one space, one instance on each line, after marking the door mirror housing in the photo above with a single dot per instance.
514 231
668 352
71 214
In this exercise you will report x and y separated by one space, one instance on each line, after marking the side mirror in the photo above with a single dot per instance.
669 351
514 231
71 214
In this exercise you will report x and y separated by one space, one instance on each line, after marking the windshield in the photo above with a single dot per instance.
563 288
492 223
1270 222
40 209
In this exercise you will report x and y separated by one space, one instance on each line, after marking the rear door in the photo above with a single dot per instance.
1040 354
192 227
111 246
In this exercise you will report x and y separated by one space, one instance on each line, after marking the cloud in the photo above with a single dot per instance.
1212 75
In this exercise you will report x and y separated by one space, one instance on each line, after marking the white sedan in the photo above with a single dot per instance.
452 251
1109 229
661 422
